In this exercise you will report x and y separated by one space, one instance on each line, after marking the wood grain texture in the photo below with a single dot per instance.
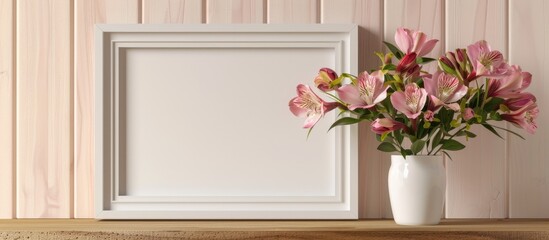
173 11
528 163
366 14
477 175
424 15
44 101
447 225
87 13
7 113
291 11
235 11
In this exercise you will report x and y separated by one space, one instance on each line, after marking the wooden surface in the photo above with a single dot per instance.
528 162
360 225
89 12
91 229
44 109
7 113
476 176
46 88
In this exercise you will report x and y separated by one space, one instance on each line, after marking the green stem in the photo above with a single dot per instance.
485 94
453 135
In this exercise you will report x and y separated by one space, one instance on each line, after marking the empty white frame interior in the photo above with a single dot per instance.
193 123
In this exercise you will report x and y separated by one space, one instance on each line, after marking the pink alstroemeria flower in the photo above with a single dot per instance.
414 41
485 61
308 104
411 101
385 125
509 86
367 92
324 78
524 117
520 101
444 89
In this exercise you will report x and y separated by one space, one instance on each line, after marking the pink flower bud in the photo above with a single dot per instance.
468 114
385 125
324 78
429 116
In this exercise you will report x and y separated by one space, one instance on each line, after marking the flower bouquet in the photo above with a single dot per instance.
421 115
433 110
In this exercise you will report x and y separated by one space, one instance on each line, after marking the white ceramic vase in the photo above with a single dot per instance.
417 186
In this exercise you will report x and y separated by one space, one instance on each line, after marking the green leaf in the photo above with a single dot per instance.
447 155
398 136
384 136
512 132
417 146
493 104
423 60
446 68
344 121
452 145
466 133
491 129
496 116
436 139
386 147
389 67
398 54
470 134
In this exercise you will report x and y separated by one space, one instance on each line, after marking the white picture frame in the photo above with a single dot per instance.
192 122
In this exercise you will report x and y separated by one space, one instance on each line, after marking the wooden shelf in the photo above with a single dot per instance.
362 229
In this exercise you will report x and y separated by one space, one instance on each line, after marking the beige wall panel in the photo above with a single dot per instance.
528 162
235 11
7 113
88 13
292 11
172 11
477 175
44 109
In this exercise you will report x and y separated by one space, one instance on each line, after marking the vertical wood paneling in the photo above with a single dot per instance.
367 14
7 184
235 11
87 13
477 175
424 15
291 11
44 121
528 162
172 11
481 178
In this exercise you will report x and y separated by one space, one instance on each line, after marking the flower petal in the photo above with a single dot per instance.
431 83
403 40
399 102
311 120
458 94
427 47
296 109
349 94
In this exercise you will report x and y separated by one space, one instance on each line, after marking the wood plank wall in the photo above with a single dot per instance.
47 89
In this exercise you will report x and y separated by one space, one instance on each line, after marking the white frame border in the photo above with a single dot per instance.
344 205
